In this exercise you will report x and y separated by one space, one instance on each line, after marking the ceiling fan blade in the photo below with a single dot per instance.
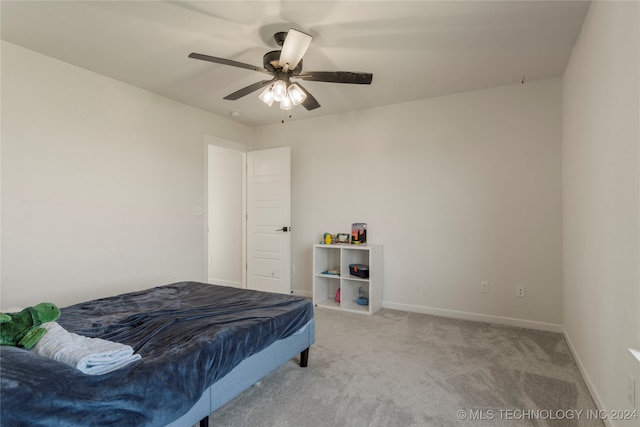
228 62
337 77
310 103
294 48
247 90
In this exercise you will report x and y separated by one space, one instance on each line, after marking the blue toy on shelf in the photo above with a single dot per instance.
362 298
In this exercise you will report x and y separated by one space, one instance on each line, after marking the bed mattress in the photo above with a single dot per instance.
189 335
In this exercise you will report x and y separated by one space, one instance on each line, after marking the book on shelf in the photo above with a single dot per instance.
358 233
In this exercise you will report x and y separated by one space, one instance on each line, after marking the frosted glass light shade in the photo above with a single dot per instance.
296 94
286 103
279 91
267 96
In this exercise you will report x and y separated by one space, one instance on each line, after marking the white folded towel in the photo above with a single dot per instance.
93 356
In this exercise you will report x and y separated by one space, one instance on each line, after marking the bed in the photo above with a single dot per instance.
200 345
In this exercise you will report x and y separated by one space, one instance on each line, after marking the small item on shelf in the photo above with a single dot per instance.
359 270
342 238
338 295
327 238
363 297
333 271
359 233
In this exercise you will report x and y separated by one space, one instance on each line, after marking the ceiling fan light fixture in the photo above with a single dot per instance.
286 104
279 91
296 94
267 96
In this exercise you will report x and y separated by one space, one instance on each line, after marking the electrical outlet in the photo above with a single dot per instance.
520 291
484 287
631 390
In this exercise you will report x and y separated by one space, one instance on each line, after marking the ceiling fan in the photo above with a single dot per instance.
284 65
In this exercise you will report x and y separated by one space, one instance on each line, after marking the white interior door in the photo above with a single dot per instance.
269 220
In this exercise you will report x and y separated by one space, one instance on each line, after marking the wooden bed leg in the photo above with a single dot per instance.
304 358
204 422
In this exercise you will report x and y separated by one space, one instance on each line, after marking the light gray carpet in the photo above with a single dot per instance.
406 369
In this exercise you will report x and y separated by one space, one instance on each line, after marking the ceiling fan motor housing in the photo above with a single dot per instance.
273 57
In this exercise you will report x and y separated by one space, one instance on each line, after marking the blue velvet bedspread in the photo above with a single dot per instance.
189 335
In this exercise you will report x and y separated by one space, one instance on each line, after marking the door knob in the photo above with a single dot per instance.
285 229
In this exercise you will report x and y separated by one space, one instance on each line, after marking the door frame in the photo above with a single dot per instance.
235 146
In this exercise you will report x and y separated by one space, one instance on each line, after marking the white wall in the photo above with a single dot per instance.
601 186
102 183
458 189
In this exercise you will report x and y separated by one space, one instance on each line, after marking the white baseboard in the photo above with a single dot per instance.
464 315
585 376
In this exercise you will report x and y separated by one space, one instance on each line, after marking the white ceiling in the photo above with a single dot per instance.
415 49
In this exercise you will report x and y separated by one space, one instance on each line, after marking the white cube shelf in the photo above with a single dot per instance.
338 258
